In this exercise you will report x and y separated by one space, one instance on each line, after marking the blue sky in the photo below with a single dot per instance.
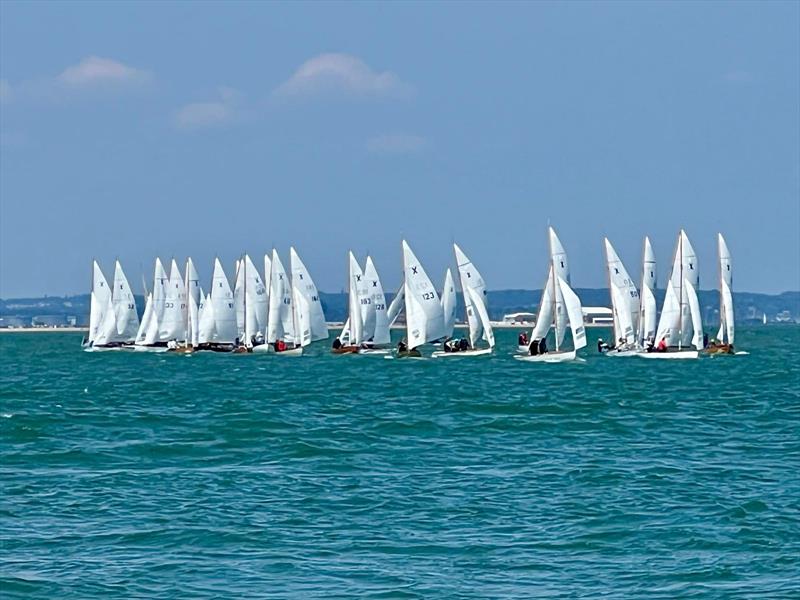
131 130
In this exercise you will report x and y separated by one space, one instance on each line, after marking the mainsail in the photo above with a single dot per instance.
376 328
680 325
449 304
624 297
280 319
726 322
301 279
424 316
473 289
647 307
127 321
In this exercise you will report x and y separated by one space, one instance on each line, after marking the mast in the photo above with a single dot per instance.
680 312
640 333
723 318
186 340
244 298
464 297
553 278
611 294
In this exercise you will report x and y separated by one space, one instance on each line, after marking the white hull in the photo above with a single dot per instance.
150 348
101 348
373 351
523 349
550 357
680 354
464 353
624 353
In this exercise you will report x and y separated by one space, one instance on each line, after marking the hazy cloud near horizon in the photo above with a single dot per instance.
339 126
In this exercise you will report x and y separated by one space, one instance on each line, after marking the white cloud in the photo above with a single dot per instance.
341 74
198 115
398 143
94 70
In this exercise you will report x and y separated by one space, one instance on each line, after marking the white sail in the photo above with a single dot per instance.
647 323
377 328
280 320
624 297
477 304
647 308
424 316
302 317
239 287
575 314
694 311
193 280
544 316
558 256
449 304
560 317
147 317
669 323
223 308
205 319
149 332
684 265
726 320
193 335
97 301
471 279
356 296
126 319
305 285
397 304
172 325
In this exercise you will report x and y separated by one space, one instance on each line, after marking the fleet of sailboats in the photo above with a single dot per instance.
281 312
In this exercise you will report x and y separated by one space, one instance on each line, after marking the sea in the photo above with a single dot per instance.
135 475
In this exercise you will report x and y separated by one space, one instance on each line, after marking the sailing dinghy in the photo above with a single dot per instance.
424 315
473 289
285 318
723 344
624 305
646 332
352 335
680 329
113 321
148 337
559 307
217 315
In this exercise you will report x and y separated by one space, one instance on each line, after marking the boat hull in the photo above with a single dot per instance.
550 357
462 353
676 355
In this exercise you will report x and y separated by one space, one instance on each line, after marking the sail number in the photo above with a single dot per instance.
428 296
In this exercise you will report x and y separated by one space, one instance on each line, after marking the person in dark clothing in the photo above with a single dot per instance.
401 346
463 345
543 346
337 343
705 340
534 348
522 339
602 346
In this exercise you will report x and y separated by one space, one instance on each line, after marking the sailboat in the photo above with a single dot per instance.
311 317
473 290
559 306
113 320
725 336
284 318
624 304
216 314
646 331
148 336
191 306
251 300
449 305
424 315
376 322
352 335
680 329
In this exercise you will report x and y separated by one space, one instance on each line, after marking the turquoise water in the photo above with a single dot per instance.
142 475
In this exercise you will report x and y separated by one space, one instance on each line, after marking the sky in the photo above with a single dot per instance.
200 128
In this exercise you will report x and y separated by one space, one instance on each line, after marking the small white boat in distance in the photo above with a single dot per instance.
680 329
473 289
559 307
